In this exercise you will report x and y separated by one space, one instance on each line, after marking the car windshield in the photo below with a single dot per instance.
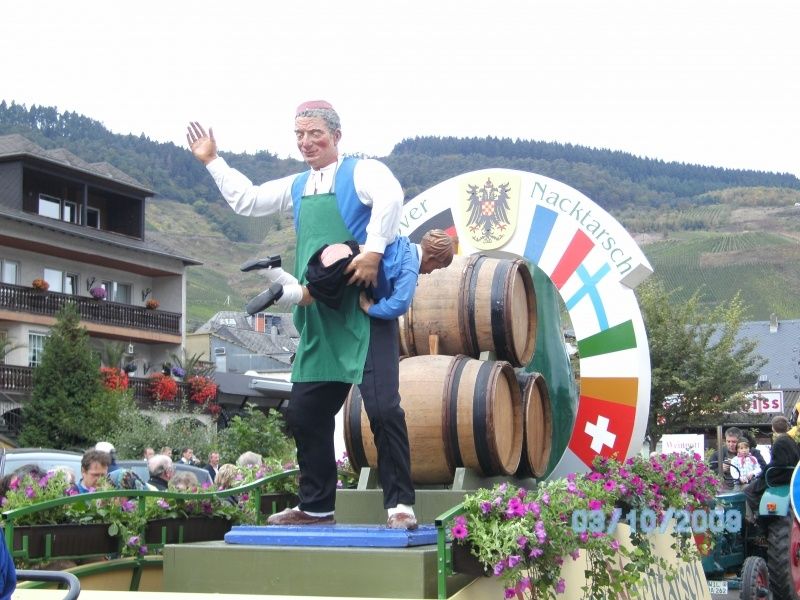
46 462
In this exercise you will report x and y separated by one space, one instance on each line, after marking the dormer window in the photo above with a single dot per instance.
56 208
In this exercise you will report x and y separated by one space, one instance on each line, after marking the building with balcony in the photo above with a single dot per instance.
80 228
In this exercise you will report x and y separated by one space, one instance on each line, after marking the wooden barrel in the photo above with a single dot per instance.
460 412
477 304
537 425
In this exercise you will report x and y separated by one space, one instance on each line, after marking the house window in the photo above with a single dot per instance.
93 217
9 270
35 348
117 292
60 281
55 208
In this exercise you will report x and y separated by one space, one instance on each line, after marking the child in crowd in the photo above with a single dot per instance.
745 463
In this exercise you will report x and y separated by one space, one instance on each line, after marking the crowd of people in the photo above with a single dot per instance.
99 470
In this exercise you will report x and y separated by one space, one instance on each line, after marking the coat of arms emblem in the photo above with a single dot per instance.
490 211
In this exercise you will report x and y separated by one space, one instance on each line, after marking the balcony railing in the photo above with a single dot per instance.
29 300
19 379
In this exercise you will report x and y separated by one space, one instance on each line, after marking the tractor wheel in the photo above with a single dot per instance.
755 579
783 536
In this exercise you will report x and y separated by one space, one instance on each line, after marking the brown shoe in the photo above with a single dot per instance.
402 521
290 516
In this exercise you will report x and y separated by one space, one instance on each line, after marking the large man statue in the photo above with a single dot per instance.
336 200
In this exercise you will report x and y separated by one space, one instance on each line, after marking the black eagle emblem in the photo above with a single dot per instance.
488 211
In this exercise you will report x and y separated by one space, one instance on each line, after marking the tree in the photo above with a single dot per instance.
256 432
700 371
69 405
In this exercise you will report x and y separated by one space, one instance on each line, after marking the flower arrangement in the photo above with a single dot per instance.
524 536
32 487
348 478
162 388
202 390
40 284
114 379
98 293
152 304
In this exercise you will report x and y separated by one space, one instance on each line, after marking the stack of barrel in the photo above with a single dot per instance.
462 411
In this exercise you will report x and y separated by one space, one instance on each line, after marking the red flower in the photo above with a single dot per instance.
201 389
114 379
163 388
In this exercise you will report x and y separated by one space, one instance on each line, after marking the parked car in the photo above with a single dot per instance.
140 468
12 459
45 458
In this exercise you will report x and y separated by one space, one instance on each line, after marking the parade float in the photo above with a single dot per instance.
496 416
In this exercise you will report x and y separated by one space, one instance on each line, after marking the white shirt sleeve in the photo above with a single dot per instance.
377 187
248 199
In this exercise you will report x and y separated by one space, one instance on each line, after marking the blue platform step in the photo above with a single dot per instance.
356 536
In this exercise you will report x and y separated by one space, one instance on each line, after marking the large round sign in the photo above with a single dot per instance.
595 265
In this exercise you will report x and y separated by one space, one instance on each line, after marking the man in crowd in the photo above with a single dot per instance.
732 437
161 471
94 469
112 452
338 199
213 465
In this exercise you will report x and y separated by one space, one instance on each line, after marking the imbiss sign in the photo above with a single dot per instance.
766 402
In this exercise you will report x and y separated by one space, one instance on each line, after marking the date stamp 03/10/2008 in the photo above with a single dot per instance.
647 521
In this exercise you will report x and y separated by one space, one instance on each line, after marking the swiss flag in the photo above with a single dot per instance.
602 427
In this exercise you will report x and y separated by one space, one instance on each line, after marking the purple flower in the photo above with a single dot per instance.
459 532
143 550
536 552
614 545
30 492
133 541
128 506
460 520
560 586
499 568
609 485
178 372
162 503
513 560
575 554
486 507
509 593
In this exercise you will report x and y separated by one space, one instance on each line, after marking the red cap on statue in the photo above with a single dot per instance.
312 104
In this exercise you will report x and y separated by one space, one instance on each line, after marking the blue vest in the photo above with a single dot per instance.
355 213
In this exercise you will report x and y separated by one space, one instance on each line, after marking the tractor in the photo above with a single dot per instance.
758 554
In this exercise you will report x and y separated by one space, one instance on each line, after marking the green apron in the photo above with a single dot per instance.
333 343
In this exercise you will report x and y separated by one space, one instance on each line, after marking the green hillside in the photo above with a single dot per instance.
722 230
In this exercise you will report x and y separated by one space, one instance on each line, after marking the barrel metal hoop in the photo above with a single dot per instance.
469 334
450 421
500 312
482 423
356 454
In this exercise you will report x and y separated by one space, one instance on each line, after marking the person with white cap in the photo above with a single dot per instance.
337 199
108 448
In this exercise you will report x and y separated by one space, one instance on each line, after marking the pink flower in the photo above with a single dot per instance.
595 505
29 492
459 532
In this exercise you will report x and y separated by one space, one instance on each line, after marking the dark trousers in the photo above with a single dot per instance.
311 413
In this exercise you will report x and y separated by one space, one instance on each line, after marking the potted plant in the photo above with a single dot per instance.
40 285
98 293
162 388
52 531
151 304
525 537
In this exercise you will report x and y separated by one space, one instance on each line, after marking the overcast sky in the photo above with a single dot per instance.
701 81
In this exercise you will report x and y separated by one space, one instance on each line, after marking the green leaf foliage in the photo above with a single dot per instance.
699 371
69 405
